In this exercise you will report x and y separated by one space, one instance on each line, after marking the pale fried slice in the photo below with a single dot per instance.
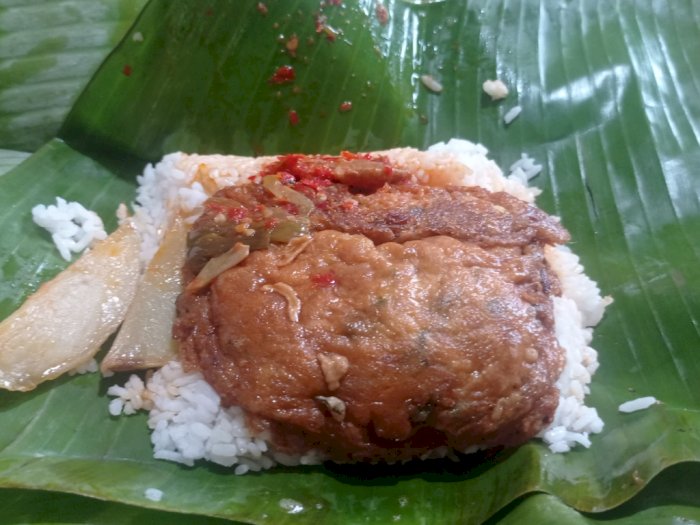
145 340
64 323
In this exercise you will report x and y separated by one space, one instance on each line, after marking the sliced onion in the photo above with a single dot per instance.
294 248
288 229
218 265
145 337
334 368
272 184
293 302
63 324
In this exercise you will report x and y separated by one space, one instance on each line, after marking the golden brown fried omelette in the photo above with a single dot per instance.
375 319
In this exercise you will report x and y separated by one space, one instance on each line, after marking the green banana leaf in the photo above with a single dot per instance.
610 106
9 159
48 52
667 500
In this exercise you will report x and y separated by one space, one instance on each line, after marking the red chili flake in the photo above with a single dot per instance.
345 106
293 118
302 168
348 204
316 182
271 223
323 205
351 155
388 170
324 280
209 11
232 213
331 34
235 214
287 178
382 14
283 75
127 70
335 2
262 8
320 21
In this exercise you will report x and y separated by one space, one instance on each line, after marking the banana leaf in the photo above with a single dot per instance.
610 107
667 500
48 52
9 159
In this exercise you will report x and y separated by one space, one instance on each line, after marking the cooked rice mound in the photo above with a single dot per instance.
186 413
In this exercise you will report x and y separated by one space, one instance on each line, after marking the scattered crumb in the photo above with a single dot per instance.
512 114
73 228
641 403
432 84
292 45
495 89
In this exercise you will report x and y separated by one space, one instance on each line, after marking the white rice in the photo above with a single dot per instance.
512 114
634 405
432 84
174 185
185 415
524 169
188 422
482 171
496 89
73 227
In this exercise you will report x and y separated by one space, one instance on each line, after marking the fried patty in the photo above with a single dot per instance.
401 317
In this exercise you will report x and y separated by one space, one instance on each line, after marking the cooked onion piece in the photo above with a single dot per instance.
293 302
218 265
64 323
294 248
334 368
285 193
144 340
